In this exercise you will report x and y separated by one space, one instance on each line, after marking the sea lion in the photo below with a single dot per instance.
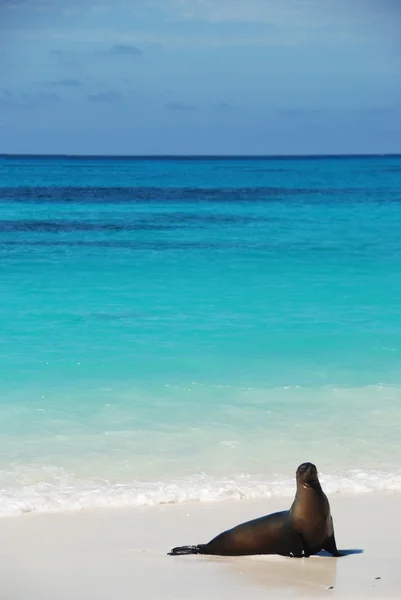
305 529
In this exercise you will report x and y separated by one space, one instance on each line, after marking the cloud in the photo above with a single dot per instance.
380 111
109 97
279 36
13 5
26 101
326 21
125 50
180 106
237 11
63 58
132 27
304 14
66 58
71 83
299 113
224 106
101 9
339 113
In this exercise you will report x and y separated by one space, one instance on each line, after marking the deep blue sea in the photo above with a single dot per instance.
193 329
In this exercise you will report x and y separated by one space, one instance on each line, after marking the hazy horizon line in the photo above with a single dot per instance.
200 156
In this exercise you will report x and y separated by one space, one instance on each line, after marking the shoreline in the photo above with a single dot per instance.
122 552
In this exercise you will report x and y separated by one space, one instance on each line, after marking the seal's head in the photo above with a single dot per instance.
307 475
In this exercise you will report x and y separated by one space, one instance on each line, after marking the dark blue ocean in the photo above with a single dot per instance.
180 329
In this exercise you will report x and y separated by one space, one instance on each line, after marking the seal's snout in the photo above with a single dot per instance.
307 471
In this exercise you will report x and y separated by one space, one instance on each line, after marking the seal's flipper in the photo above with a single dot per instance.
331 546
187 550
302 547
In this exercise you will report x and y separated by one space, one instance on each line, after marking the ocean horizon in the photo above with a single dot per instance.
205 156
193 328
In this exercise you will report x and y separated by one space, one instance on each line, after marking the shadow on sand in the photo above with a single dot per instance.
343 552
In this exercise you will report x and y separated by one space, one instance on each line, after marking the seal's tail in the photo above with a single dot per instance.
187 550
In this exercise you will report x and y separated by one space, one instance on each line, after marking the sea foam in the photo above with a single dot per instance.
51 498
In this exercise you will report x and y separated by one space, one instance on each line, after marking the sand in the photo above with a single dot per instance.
121 554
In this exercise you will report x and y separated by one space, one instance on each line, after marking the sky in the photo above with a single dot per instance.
200 76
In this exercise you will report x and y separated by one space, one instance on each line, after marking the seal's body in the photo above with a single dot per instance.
303 530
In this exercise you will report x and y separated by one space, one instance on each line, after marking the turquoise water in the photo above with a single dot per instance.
194 329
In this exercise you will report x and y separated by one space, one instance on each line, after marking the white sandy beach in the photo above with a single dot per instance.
121 554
